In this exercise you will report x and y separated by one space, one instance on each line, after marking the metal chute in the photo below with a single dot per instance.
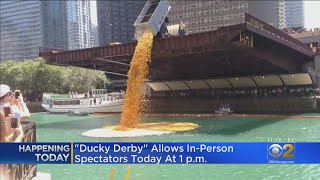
152 17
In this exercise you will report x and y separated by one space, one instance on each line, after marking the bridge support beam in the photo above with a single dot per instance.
317 69
119 84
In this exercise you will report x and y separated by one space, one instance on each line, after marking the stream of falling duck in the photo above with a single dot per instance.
135 104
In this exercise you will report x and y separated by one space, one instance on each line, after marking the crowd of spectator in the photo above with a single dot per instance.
305 91
294 30
298 30
13 111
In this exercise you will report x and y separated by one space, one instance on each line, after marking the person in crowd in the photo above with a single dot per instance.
19 107
182 29
10 133
2 128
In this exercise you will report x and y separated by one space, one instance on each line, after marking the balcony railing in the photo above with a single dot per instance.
22 171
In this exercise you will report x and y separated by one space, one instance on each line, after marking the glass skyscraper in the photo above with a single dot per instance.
279 13
26 25
268 11
20 30
115 20
94 36
294 13
206 15
54 24
79 24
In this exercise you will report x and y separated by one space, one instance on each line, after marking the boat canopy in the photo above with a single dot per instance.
235 82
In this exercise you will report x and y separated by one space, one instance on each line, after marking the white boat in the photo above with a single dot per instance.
224 109
95 101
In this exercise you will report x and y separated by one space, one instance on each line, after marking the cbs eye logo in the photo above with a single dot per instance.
285 151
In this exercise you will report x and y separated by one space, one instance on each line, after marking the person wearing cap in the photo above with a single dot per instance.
5 94
5 98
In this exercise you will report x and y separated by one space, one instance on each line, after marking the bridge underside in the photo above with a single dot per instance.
302 79
251 48
235 60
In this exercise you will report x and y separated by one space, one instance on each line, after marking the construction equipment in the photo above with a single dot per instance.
177 29
173 29
152 17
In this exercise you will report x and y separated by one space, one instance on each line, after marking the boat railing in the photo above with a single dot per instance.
62 97
22 171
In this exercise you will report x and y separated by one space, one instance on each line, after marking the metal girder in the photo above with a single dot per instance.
189 50
114 73
229 83
112 61
276 59
106 68
119 74
107 64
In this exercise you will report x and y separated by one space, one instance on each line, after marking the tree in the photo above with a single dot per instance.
37 76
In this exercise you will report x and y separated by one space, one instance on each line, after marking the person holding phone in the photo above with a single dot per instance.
18 106
3 174
2 128
13 128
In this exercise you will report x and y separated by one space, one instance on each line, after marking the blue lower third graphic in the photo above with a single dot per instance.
35 153
160 153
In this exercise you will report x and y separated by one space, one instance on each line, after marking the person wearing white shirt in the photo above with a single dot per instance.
6 117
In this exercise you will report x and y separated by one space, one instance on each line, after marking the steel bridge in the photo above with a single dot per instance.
247 49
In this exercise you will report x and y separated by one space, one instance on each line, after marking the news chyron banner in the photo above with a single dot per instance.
160 153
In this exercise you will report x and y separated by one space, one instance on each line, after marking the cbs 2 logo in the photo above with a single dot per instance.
275 151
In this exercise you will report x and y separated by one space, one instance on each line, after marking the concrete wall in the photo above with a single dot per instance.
240 105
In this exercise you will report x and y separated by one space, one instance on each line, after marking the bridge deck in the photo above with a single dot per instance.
208 54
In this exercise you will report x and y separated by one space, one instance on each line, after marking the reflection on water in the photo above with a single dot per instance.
62 128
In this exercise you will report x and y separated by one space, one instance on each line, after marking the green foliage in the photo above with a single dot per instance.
37 76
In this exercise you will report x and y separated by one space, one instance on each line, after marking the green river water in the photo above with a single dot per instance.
63 128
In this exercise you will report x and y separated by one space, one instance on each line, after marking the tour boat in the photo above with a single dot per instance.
95 101
224 109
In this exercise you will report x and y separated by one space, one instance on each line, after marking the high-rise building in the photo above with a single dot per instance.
294 13
26 25
94 36
79 24
206 15
54 24
279 13
73 25
20 31
268 11
115 20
